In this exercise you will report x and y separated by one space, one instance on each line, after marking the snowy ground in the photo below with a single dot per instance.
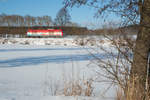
34 72
65 41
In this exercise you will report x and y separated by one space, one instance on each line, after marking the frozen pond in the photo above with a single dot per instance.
24 69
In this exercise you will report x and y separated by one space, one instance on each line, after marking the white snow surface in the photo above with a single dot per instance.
36 70
65 41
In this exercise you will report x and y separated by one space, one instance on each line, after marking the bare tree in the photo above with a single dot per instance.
63 17
39 21
47 20
33 23
20 21
131 12
2 21
17 20
28 20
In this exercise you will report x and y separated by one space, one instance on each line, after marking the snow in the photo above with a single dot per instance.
30 72
66 41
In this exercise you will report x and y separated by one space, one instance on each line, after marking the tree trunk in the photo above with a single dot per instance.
137 86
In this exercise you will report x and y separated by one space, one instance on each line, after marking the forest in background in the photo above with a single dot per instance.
16 24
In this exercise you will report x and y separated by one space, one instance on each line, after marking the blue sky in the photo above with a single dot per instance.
83 15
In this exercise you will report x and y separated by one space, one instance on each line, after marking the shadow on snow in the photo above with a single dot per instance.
49 59
40 49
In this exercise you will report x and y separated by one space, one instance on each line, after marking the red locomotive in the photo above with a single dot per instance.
45 33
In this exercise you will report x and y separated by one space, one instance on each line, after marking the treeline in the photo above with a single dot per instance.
17 20
16 24
28 21
130 30
68 30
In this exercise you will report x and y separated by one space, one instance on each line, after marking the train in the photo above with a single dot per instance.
45 33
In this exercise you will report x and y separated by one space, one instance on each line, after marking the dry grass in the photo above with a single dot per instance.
78 88
70 84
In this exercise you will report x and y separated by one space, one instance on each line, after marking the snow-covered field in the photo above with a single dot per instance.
39 68
66 41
